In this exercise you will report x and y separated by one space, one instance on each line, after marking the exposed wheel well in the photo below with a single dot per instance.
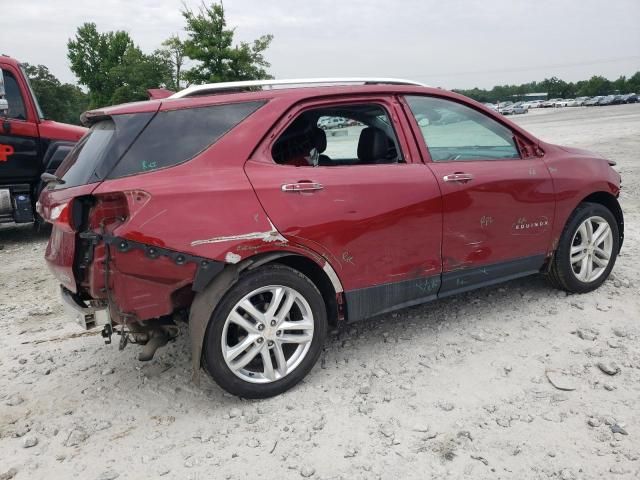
319 278
611 202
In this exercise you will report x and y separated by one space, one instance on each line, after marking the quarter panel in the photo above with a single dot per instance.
575 177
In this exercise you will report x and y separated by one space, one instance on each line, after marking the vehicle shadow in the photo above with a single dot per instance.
18 234
372 340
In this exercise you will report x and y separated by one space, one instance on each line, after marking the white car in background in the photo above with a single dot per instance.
577 102
534 103
549 103
561 102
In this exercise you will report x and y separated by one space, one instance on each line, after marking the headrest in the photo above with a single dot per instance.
373 145
319 139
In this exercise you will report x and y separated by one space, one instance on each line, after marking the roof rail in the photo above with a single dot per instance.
227 87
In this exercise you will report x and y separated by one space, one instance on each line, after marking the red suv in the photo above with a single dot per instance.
228 206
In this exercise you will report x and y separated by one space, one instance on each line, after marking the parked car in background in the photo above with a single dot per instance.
534 103
577 102
549 103
608 100
328 123
592 102
561 102
515 109
491 106
323 229
630 98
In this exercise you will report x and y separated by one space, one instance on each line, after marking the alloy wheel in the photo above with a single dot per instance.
267 334
591 249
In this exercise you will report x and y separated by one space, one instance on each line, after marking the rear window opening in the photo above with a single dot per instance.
360 134
131 144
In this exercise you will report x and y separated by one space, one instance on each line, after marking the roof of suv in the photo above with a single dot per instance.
288 89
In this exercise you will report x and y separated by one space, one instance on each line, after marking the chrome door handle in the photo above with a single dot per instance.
458 177
301 187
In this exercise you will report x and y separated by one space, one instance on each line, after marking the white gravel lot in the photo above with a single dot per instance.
453 389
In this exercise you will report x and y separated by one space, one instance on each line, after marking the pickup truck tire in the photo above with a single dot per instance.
266 333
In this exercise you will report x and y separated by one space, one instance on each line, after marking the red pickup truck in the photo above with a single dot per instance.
30 145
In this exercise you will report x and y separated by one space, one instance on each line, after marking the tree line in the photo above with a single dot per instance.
114 69
557 88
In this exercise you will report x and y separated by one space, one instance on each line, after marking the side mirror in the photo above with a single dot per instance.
4 105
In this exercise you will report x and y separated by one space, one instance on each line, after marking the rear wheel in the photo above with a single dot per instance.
266 334
587 250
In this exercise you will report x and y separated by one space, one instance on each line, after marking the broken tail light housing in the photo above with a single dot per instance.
109 210
61 217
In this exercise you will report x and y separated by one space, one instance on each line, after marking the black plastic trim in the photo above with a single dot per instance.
368 302
463 280
371 301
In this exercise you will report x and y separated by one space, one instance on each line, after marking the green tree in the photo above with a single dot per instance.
619 85
633 83
136 73
596 85
210 43
60 102
172 52
113 68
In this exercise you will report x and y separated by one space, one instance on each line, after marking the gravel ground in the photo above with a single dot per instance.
457 388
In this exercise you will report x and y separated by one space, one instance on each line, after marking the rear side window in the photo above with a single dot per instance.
95 155
88 152
175 136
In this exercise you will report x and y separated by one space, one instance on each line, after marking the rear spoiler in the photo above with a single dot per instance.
159 93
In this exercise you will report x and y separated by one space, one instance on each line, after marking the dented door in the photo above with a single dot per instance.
378 225
497 194
504 212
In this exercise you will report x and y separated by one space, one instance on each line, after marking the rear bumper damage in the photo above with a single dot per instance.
139 281
88 317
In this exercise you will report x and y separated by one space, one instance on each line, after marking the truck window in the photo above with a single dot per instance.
14 97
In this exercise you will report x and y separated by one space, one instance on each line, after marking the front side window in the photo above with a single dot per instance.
339 135
455 132
14 97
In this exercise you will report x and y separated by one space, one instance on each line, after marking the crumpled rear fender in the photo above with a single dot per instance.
206 301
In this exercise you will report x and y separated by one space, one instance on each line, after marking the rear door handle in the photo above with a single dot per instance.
302 186
458 177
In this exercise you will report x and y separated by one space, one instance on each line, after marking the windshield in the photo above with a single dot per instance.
33 95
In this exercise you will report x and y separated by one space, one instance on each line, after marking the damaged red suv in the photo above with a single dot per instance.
261 212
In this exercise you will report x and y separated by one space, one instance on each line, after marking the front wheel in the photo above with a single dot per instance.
266 333
587 250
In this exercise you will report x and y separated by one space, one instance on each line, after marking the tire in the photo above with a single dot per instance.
272 337
570 276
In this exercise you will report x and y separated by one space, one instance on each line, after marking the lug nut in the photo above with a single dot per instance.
273 323
260 340
270 343
278 333
260 327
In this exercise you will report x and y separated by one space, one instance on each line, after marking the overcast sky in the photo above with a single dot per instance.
453 44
